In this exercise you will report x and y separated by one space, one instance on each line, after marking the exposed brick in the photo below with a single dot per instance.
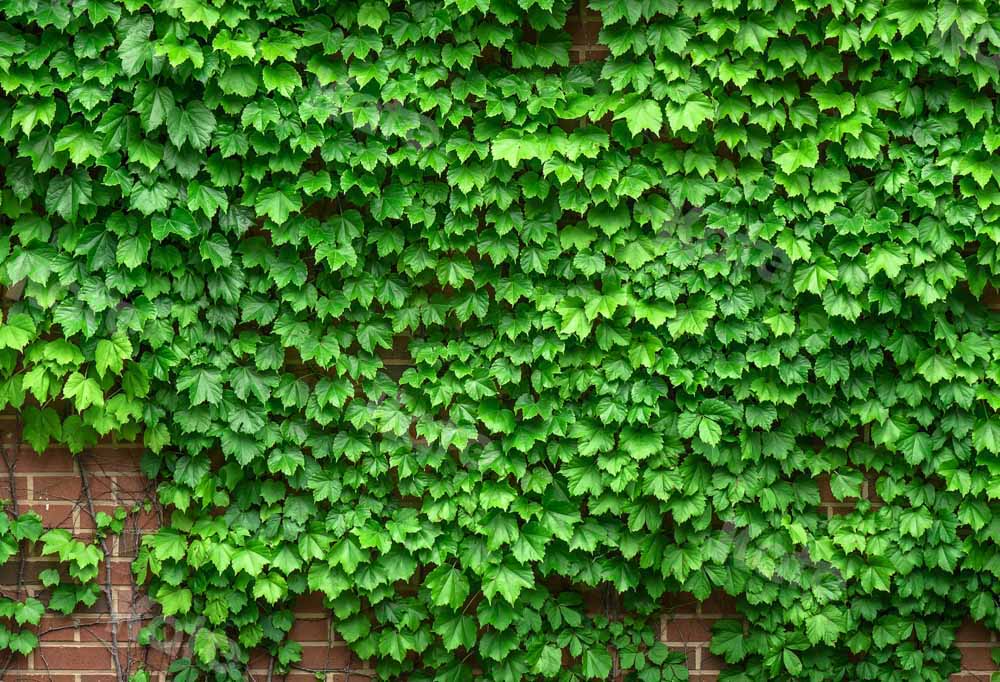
310 603
72 657
690 654
310 630
56 488
681 602
976 657
20 486
54 514
973 632
115 459
710 661
322 656
53 461
32 568
718 603
689 630
825 493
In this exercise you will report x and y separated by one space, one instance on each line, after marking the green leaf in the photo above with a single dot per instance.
549 661
192 124
642 115
112 353
277 203
694 111
792 155
728 640
173 600
507 579
596 663
448 586
986 435
813 277
67 193
84 391
204 384
456 630
17 331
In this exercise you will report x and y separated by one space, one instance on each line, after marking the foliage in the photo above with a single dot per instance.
68 586
652 301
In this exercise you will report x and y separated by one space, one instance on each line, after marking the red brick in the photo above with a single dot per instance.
54 514
17 663
991 297
32 568
310 630
825 493
976 657
681 602
719 603
973 632
710 661
323 656
583 34
53 461
690 653
310 603
838 509
64 657
56 488
20 485
116 459
689 630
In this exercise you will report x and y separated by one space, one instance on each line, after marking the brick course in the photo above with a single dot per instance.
76 648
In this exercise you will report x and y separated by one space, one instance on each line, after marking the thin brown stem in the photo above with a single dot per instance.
108 582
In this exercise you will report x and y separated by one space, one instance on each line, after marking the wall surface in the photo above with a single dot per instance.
79 648
63 488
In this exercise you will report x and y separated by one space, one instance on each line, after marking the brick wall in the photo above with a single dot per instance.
77 648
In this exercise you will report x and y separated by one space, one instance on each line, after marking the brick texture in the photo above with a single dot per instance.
77 648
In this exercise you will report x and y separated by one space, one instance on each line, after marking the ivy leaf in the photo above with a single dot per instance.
67 193
456 630
549 661
642 115
204 384
448 586
792 155
17 331
694 111
192 124
173 600
506 579
728 640
986 435
250 559
596 663
84 391
181 223
112 353
814 276
277 203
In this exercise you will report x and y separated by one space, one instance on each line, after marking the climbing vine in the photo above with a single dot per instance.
651 302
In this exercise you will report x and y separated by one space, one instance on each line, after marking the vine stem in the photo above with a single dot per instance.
11 465
108 584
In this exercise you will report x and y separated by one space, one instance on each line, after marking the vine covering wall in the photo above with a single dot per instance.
651 300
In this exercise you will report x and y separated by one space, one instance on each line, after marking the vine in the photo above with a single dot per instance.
651 301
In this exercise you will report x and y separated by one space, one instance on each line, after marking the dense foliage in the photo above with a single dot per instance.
651 301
